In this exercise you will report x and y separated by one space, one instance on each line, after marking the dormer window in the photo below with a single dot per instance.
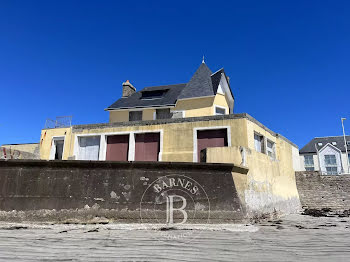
154 94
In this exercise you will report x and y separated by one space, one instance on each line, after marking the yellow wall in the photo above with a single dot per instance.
147 114
204 106
46 141
118 116
30 148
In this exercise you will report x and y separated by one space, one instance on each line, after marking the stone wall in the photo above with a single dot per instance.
113 189
318 191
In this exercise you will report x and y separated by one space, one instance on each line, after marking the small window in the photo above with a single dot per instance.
163 113
154 94
259 143
320 144
309 161
332 170
348 143
330 160
334 143
270 149
220 110
135 115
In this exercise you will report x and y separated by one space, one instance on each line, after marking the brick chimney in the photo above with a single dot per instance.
128 89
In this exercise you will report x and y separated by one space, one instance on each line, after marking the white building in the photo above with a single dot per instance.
326 154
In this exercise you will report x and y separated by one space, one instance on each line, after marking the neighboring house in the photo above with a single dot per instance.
325 154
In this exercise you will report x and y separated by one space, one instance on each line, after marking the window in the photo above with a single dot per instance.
349 157
331 164
259 143
309 169
334 143
154 94
330 160
309 161
320 144
135 115
220 110
332 170
163 113
89 148
270 148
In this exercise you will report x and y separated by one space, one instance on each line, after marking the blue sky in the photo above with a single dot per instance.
288 61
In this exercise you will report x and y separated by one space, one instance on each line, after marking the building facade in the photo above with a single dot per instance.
326 154
192 122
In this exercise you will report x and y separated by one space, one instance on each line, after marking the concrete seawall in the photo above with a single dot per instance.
61 190
318 191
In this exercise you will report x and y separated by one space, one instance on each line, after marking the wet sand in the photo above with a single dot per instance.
293 238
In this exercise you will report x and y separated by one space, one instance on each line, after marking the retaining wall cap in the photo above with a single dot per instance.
127 165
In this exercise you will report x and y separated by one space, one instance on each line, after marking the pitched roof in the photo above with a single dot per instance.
200 84
171 92
203 83
320 142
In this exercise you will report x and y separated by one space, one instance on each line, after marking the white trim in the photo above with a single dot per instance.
131 152
226 88
53 148
195 142
154 114
221 107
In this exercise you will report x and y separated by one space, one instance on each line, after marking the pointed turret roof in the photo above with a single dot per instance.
200 84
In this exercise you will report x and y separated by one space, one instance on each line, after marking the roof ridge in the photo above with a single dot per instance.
329 136
217 71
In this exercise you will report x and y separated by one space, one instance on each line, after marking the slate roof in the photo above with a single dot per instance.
203 83
310 147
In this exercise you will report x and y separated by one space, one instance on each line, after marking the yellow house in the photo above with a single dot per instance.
191 122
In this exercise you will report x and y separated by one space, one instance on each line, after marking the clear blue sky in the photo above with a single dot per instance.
288 60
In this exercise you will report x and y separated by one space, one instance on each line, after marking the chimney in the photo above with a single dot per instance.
128 89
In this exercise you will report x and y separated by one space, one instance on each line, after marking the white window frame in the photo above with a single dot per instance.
263 143
131 152
221 107
53 146
273 148
195 142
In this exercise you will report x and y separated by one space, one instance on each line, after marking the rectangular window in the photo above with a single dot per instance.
330 160
220 110
259 143
163 113
309 161
89 148
270 149
331 164
332 170
135 115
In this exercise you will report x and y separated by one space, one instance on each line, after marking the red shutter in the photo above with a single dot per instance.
147 146
210 138
117 148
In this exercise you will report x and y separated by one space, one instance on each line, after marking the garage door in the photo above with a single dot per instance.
147 146
117 148
210 138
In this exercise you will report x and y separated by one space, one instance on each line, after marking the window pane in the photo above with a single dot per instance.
163 113
330 160
220 111
308 160
309 169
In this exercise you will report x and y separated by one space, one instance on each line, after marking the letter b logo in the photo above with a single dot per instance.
170 209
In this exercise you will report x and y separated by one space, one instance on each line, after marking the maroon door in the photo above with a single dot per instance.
117 148
210 138
147 147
